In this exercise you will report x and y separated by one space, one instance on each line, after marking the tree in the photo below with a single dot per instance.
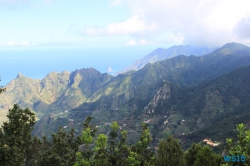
100 156
143 149
133 159
123 149
107 151
241 147
170 153
190 155
61 151
2 89
117 150
198 155
33 154
15 136
85 156
113 150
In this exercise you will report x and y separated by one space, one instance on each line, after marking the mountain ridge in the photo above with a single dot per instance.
53 88
164 94
162 54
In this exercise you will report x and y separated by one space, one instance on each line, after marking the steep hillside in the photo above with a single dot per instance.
82 84
57 92
181 70
183 112
34 94
179 96
169 93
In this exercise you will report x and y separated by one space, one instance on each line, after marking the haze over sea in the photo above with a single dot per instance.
37 63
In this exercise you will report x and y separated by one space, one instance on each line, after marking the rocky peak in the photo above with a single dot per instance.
84 74
19 75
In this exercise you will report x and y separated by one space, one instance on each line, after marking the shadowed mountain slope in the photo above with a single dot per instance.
163 54
177 96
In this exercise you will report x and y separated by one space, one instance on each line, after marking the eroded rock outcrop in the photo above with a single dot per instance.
162 94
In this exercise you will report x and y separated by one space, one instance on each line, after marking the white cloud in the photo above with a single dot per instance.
197 22
225 15
137 42
131 42
115 2
42 3
130 26
16 4
47 2
242 29
12 4
22 44
93 31
176 38
133 25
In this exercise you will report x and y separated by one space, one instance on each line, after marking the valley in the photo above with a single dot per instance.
184 96
124 83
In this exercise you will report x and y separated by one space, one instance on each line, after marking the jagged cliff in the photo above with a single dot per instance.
162 94
56 91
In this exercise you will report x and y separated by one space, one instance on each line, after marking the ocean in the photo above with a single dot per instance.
37 63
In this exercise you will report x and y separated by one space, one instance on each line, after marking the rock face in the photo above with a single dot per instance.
19 75
162 94
56 91
26 90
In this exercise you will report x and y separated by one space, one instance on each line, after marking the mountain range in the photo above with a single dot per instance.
163 53
191 97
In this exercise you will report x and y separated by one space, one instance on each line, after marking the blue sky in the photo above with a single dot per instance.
37 63
119 30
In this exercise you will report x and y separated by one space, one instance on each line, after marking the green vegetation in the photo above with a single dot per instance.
170 153
18 147
241 146
15 136
190 98
198 155
194 93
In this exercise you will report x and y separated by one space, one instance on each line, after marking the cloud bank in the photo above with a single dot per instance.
197 22
145 22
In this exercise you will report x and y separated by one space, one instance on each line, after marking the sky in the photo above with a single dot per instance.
40 36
